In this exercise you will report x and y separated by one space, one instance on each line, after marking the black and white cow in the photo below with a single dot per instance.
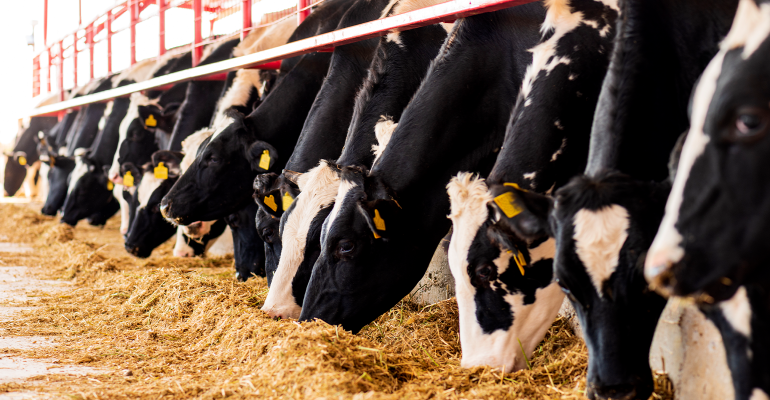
400 62
504 287
711 244
219 182
605 220
79 137
25 152
385 225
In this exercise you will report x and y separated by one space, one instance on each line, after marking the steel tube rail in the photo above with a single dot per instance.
426 16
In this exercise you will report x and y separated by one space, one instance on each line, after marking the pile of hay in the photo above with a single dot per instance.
171 328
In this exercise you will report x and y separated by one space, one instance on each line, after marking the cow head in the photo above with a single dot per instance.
155 116
129 191
88 190
138 146
148 227
712 238
58 175
300 231
220 168
248 248
357 258
505 292
602 226
14 173
273 195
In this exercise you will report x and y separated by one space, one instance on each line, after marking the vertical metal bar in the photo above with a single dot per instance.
75 58
48 71
90 41
246 11
302 10
61 70
197 50
108 27
133 4
162 27
45 43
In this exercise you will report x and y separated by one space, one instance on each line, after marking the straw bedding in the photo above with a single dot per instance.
185 328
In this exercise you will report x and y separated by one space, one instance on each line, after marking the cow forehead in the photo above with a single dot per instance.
146 188
81 168
750 28
343 192
599 236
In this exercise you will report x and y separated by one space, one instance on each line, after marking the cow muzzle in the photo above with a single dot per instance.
619 392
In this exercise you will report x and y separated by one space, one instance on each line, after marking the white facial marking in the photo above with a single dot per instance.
560 150
342 191
107 112
530 176
318 188
394 37
146 188
666 248
558 125
117 191
758 394
737 311
227 121
245 81
191 145
80 169
750 28
599 236
181 248
383 130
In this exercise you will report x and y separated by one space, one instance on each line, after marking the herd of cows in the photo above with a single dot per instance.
606 150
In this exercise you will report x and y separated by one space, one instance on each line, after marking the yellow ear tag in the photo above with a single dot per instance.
110 185
379 223
150 121
287 200
507 203
514 185
128 179
270 202
161 172
520 261
22 160
264 160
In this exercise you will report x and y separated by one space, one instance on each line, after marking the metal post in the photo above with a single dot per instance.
45 43
61 70
302 10
108 27
162 28
90 41
132 4
197 50
75 58
48 70
246 11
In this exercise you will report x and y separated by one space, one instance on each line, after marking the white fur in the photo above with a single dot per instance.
43 184
599 236
117 191
750 28
758 394
191 145
238 94
342 191
80 169
147 187
737 311
107 112
560 150
666 248
500 349
530 176
222 245
137 99
318 189
181 248
383 131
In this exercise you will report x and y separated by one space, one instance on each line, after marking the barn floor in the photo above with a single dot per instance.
84 320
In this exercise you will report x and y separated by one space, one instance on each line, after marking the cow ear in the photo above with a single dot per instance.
270 202
150 116
381 216
261 156
166 164
136 174
521 212
171 109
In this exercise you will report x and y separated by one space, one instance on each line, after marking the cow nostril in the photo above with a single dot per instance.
164 209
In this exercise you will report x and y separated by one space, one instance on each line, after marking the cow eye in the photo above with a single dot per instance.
214 160
566 291
484 272
750 124
345 247
267 235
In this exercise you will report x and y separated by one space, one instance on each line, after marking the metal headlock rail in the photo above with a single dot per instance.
445 12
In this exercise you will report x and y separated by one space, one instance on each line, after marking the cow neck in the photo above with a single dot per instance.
84 131
200 100
323 133
388 90
107 144
658 56
457 119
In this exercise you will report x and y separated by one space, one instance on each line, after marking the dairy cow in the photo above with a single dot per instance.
219 182
711 241
504 283
400 62
25 152
604 220
386 224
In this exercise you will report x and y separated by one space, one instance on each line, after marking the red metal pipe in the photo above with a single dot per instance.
90 41
108 26
75 58
197 50
132 4
302 10
162 27
48 71
61 70
246 11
